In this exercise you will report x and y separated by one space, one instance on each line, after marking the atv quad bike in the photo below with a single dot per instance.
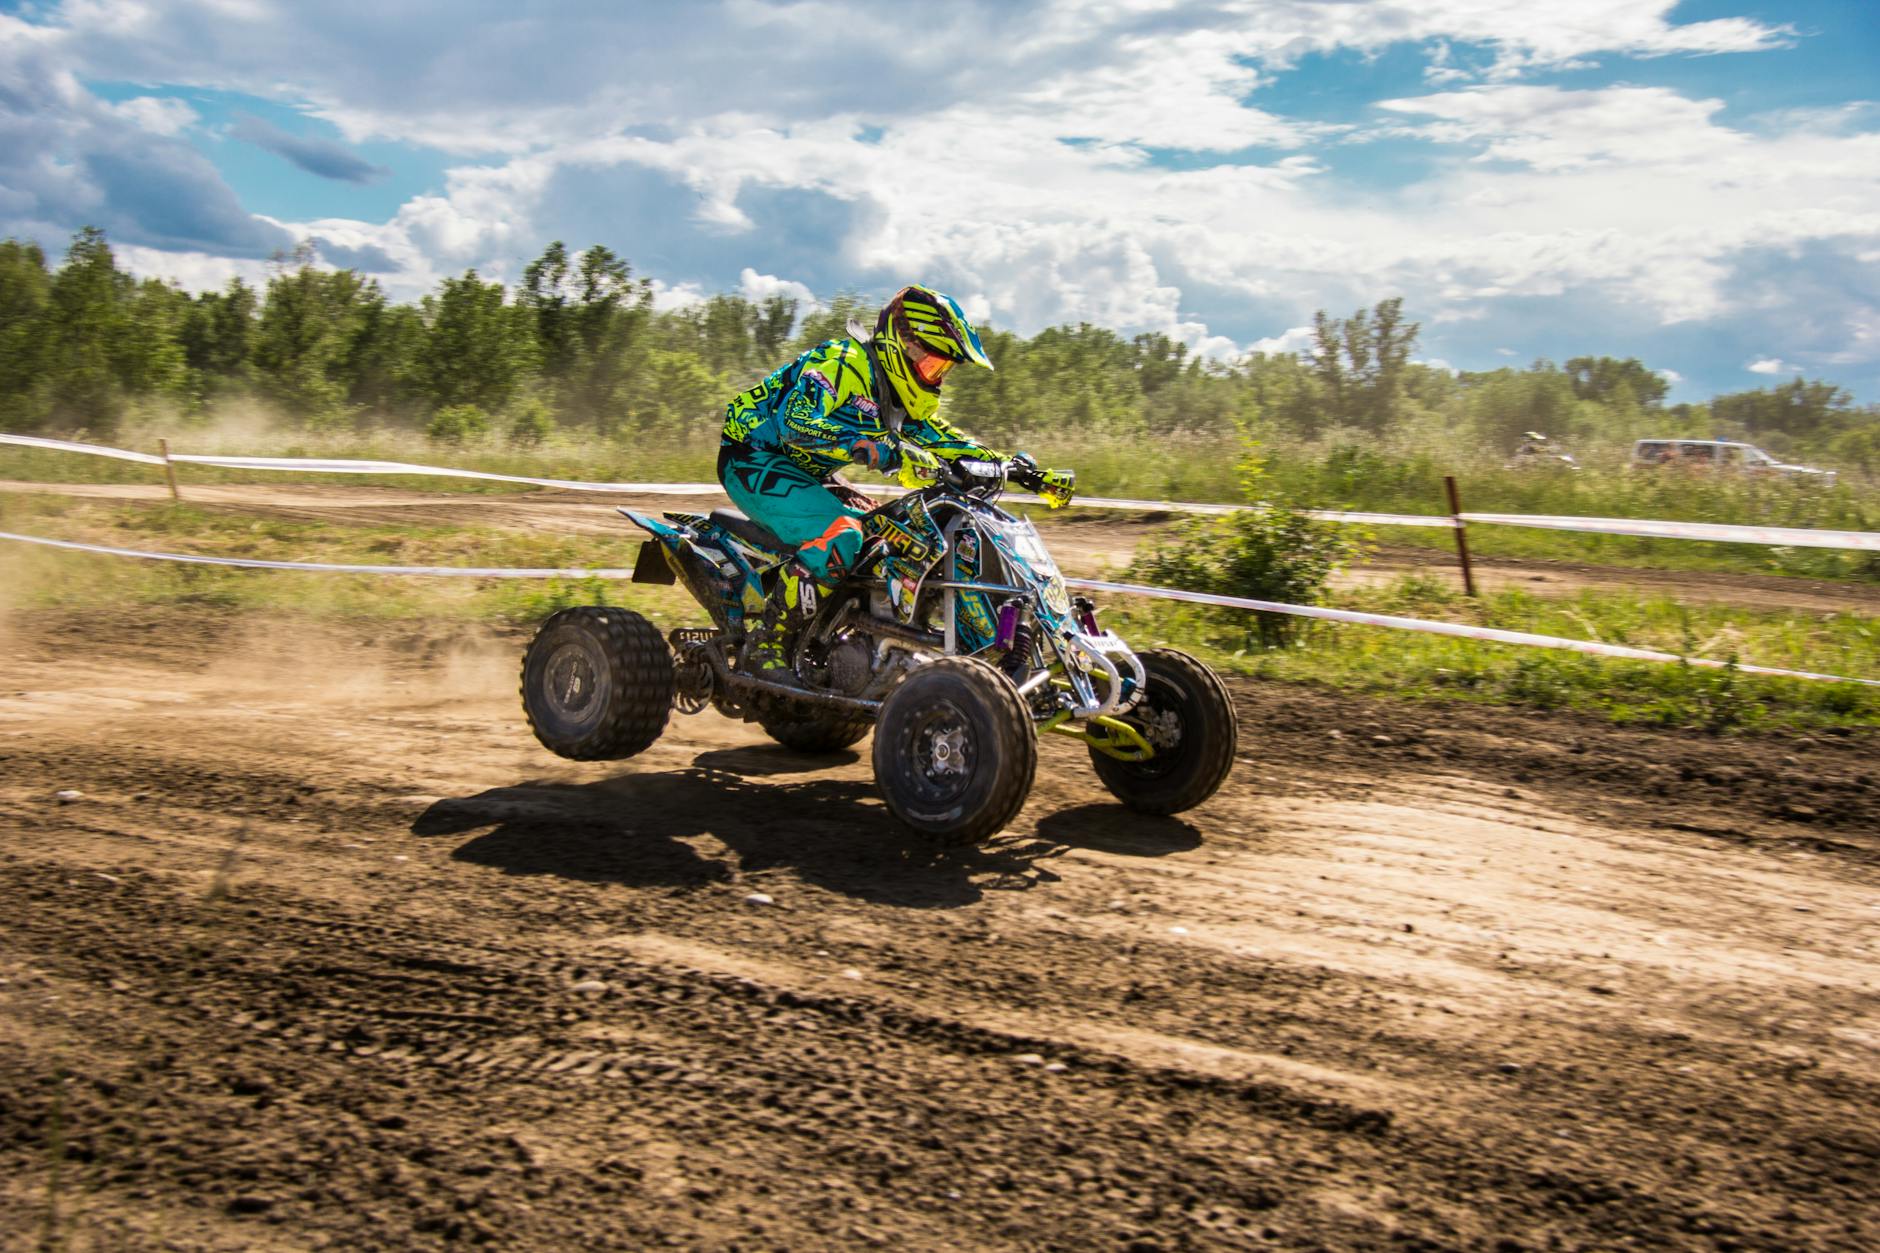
954 637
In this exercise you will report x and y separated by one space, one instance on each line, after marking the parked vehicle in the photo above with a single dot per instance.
954 638
1720 455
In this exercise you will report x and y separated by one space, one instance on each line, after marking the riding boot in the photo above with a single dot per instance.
772 637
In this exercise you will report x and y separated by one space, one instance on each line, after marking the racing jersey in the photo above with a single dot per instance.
820 412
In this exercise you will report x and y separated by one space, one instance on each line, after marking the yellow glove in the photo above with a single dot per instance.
1057 487
918 466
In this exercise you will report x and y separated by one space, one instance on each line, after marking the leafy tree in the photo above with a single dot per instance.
83 320
25 299
610 316
545 294
306 336
1360 362
147 355
1797 408
383 359
218 334
1608 380
1159 361
770 327
472 354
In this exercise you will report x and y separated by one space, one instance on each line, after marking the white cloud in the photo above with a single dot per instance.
160 115
755 287
1294 339
1670 376
676 296
1551 129
1767 365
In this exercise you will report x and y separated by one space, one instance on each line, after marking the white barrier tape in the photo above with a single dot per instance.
256 563
313 465
95 450
1790 537
1457 629
1131 589
1722 532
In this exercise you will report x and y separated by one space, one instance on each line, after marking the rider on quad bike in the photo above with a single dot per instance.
870 401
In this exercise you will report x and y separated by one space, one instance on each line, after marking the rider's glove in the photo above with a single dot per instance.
1056 487
1023 463
918 466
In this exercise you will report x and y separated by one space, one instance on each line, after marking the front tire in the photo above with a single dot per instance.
597 683
1188 718
955 751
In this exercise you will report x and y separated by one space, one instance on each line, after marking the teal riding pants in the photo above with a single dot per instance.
770 488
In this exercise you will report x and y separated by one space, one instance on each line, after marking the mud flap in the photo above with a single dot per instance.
651 565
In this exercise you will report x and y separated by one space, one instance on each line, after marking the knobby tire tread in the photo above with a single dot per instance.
1015 740
814 732
641 672
1198 779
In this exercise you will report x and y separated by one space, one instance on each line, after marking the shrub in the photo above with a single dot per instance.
1266 551
530 422
454 424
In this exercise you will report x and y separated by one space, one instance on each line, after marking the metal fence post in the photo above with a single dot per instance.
1462 534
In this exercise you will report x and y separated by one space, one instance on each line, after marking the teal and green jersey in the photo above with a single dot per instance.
821 412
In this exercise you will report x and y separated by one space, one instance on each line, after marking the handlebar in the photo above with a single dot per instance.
983 477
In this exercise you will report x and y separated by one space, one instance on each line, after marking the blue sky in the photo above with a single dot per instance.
1696 184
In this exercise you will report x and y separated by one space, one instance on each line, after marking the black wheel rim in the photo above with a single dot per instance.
574 683
1164 718
941 752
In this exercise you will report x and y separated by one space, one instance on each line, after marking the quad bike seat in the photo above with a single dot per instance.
745 529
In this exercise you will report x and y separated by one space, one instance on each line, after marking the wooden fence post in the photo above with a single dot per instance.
1462 534
169 471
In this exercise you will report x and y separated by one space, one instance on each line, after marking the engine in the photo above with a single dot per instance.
851 665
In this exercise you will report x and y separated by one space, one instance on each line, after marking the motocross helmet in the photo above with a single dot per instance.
920 335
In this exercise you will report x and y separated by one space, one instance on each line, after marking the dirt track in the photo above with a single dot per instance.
329 954
1086 543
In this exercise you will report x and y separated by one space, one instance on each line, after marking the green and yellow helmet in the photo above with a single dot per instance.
920 335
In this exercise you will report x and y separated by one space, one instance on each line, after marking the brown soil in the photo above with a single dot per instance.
328 953
1086 543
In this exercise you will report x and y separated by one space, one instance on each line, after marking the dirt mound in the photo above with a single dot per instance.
323 951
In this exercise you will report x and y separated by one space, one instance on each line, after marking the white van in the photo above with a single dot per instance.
1720 454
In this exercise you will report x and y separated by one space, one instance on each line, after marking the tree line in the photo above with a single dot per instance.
577 344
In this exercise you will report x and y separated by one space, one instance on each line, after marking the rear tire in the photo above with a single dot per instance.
597 683
955 751
1187 716
813 730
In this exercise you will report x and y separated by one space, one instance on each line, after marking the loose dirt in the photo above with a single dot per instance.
326 952
1086 543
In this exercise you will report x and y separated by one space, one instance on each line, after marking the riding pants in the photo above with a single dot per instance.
794 504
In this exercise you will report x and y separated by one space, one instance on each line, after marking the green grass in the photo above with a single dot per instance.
1411 665
1377 661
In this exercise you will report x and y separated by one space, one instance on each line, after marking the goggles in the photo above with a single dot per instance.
929 367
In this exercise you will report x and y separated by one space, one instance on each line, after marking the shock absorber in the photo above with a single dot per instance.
1017 661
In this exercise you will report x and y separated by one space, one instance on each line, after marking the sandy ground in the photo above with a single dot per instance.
328 953
1086 543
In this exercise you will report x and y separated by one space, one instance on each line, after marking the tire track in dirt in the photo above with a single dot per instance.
319 984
